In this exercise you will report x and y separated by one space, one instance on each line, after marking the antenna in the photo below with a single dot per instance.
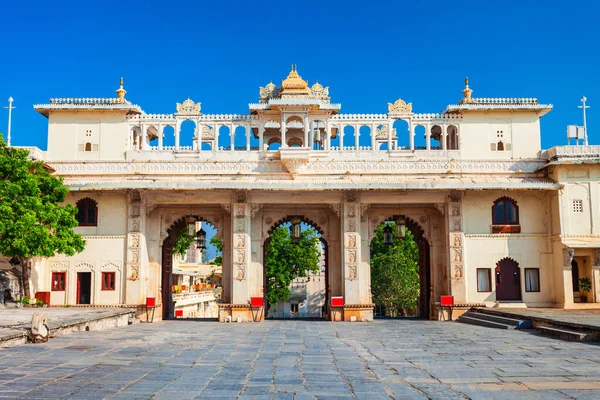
10 108
583 107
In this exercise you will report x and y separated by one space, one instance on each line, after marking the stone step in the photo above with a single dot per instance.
517 323
567 334
482 322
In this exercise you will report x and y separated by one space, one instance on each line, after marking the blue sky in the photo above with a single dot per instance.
368 53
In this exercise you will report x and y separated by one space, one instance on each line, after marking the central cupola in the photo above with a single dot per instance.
294 85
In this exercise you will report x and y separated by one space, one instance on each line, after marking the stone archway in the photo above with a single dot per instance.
425 287
168 243
326 250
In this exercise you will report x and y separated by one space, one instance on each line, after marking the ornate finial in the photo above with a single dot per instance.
399 107
188 107
121 92
467 93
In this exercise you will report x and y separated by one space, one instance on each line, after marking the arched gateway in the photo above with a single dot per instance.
295 153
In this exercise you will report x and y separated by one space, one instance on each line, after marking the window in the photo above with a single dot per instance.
578 206
88 146
500 146
294 307
59 281
505 213
108 281
88 212
484 280
532 279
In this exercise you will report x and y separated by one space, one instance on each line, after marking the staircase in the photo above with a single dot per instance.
494 321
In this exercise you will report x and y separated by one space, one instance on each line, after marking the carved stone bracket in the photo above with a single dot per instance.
226 207
254 208
336 209
240 196
440 208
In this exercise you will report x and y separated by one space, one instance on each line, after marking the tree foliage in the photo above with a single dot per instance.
287 260
216 241
184 241
33 222
395 271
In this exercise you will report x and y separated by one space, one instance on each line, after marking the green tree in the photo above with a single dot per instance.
216 241
287 260
184 242
33 221
395 272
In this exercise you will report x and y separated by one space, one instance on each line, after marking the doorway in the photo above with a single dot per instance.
575 276
508 280
84 287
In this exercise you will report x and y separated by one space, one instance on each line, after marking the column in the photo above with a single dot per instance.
341 135
327 138
261 137
248 132
428 136
135 272
232 136
144 137
455 247
411 132
595 293
240 256
390 129
177 129
373 137
306 129
283 129
160 137
356 137
215 146
356 296
443 137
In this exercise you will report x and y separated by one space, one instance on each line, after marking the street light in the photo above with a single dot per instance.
295 229
388 236
201 239
191 225
401 226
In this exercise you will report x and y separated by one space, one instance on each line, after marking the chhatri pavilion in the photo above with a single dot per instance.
498 220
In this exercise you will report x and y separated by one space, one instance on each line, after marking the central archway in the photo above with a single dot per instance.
424 264
314 305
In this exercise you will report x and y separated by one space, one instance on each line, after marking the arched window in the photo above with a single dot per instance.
88 146
506 212
88 212
500 146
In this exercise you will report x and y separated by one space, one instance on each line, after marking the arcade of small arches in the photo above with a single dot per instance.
252 134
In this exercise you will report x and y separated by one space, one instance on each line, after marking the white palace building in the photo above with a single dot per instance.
499 221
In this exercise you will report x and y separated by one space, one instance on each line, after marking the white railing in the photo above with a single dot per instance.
505 100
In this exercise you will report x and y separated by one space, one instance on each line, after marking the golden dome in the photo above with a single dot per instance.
317 87
271 86
294 82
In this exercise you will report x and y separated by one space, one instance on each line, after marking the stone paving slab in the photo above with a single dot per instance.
301 360
586 319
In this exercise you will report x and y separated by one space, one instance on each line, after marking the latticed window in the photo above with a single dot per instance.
578 206
59 280
108 281
88 212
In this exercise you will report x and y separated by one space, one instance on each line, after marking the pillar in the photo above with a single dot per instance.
456 239
356 137
411 132
240 256
428 137
341 135
283 129
136 262
327 138
248 132
215 146
232 137
595 295
354 273
306 130
373 137
177 131
390 129
160 137
261 137
444 137
144 137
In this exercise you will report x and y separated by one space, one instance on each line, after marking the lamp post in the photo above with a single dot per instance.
10 108
401 226
583 107
388 236
201 239
191 225
295 228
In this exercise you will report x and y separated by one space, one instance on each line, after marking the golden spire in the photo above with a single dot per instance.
121 92
467 93
294 83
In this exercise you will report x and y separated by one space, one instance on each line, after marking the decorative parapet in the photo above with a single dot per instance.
505 100
360 117
573 152
88 100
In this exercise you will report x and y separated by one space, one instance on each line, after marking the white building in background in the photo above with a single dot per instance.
499 220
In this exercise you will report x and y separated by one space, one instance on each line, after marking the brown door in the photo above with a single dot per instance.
167 278
575 275
508 280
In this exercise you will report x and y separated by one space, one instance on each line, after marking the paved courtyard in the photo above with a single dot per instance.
386 359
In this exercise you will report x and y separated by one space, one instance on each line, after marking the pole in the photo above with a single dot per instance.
583 107
10 108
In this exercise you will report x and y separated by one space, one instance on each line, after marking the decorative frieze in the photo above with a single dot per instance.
455 236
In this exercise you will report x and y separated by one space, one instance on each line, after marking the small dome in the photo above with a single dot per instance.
270 87
317 87
294 81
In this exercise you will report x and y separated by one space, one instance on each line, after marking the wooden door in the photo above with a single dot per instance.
508 280
84 288
575 275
